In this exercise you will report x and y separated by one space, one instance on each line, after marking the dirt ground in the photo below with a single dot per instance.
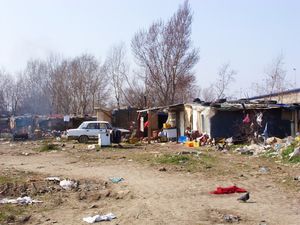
163 184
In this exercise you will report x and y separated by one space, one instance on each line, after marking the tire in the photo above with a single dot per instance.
83 139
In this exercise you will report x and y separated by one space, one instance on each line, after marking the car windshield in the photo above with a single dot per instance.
83 125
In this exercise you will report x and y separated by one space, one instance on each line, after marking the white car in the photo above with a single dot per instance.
90 130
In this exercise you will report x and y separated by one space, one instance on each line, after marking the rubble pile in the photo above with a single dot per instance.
287 148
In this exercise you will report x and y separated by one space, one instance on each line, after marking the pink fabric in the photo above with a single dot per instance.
246 119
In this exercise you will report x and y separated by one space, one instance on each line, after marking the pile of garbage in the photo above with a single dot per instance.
286 148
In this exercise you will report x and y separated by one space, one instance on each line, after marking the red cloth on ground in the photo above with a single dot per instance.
228 190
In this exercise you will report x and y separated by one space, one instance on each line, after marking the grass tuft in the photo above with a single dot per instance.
173 159
290 149
8 213
47 147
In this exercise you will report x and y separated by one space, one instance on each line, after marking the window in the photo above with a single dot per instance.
83 125
103 126
92 126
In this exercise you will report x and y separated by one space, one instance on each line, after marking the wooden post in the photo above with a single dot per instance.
296 121
149 126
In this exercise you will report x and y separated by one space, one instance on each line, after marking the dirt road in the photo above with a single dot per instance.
157 197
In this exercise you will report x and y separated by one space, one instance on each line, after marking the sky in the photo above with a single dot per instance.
247 34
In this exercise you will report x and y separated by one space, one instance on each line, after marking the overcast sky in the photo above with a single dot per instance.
248 34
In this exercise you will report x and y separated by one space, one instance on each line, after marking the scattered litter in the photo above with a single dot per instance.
263 170
295 153
297 178
273 140
99 218
91 147
228 190
229 141
55 179
231 218
21 201
263 222
252 149
116 179
25 153
68 184
58 139
278 147
289 140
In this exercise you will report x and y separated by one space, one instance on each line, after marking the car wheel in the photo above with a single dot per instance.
83 139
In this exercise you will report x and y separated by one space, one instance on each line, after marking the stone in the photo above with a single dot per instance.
122 194
162 169
104 193
231 218
25 219
93 206
82 195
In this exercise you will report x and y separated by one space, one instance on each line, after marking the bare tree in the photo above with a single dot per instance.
16 94
86 79
166 55
5 83
208 94
36 98
134 93
225 78
117 70
59 84
275 78
219 88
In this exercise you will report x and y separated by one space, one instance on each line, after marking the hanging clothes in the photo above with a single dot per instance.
259 117
246 119
265 133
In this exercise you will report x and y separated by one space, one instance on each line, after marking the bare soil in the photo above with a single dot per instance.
163 184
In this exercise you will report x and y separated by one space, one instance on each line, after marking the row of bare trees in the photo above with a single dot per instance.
273 81
56 85
164 75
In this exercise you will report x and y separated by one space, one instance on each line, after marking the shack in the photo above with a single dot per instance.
124 117
103 114
233 119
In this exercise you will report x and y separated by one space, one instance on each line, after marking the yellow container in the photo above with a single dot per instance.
166 126
189 144
196 144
